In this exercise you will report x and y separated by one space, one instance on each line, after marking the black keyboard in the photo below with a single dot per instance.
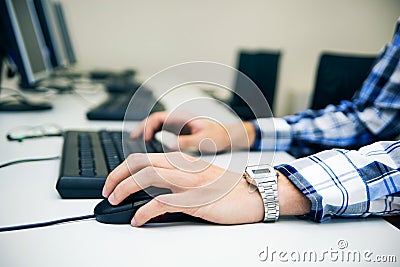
88 157
115 107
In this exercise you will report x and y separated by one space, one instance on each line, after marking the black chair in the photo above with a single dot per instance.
339 76
262 68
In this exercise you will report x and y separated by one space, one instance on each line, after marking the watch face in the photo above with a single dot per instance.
261 171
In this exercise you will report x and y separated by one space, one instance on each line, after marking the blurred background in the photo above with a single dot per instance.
152 35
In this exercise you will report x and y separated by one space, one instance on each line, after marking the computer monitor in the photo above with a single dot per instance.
65 33
52 32
24 41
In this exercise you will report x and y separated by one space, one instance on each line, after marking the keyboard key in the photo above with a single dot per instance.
88 157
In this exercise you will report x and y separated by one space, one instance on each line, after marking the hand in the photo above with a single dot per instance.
198 189
202 134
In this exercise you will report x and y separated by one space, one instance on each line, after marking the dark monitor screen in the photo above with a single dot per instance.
52 32
25 43
65 33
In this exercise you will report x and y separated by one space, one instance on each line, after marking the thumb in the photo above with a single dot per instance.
156 207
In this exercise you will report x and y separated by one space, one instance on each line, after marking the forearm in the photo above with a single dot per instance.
291 200
313 131
349 183
344 126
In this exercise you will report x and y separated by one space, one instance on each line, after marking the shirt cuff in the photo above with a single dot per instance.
332 184
272 134
257 140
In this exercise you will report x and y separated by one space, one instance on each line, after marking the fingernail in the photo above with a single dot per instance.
133 222
111 199
104 192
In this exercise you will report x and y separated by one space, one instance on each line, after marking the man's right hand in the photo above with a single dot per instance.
197 133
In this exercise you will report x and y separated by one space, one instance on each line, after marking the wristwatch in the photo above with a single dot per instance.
264 177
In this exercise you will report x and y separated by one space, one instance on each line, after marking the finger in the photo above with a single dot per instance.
157 206
149 176
136 162
133 164
122 171
149 126
133 184
125 188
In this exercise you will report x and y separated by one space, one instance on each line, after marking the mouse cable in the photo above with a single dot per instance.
27 160
43 224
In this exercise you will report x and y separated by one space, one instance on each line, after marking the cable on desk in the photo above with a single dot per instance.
43 224
27 160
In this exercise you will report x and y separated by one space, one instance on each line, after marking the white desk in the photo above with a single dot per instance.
27 195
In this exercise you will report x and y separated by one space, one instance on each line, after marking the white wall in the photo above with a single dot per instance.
151 35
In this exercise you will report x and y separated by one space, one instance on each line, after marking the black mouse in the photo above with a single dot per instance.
119 214
124 212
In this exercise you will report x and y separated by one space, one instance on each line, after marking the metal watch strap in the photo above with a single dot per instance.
269 192
268 188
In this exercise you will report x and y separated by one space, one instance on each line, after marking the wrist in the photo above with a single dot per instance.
264 179
250 132
242 135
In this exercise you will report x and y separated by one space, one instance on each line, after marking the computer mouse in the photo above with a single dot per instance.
119 214
124 212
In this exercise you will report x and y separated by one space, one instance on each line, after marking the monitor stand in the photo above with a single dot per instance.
19 102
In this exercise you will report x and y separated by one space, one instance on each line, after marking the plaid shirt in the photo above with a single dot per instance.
349 183
343 182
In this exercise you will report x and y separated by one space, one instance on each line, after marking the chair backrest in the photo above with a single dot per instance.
262 68
339 76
